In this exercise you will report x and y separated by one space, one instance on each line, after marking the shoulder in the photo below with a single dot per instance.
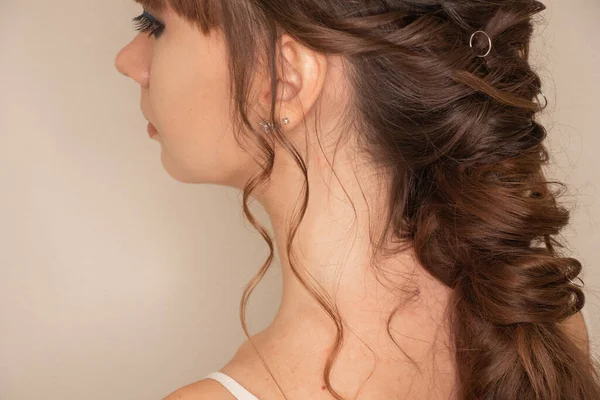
204 389
244 367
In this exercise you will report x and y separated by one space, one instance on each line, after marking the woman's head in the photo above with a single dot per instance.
453 133
183 79
184 75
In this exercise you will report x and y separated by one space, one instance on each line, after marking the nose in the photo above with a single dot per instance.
133 60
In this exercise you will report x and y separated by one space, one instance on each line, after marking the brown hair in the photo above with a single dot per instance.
469 194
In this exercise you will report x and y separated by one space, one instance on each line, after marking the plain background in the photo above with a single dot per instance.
117 282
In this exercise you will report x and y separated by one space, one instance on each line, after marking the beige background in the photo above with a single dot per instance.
117 282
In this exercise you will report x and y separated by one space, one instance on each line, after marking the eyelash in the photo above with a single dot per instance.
147 23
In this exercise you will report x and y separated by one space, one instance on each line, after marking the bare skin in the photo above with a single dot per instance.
183 79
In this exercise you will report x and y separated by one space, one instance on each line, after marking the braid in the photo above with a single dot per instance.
509 295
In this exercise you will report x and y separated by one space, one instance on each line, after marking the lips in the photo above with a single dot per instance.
151 129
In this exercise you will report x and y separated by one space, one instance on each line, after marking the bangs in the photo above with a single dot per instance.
206 14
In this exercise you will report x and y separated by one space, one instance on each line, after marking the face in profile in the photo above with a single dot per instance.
185 95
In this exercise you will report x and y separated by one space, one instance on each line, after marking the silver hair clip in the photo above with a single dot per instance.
488 38
545 100
580 280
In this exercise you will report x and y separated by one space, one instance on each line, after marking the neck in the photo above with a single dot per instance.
332 251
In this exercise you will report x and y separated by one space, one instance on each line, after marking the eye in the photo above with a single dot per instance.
147 23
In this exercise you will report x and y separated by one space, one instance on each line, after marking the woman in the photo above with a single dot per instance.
394 145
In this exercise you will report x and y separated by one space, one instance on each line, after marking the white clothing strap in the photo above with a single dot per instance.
232 385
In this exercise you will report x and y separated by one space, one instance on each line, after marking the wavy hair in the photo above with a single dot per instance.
468 192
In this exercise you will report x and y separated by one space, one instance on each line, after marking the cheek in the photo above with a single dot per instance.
190 102
188 84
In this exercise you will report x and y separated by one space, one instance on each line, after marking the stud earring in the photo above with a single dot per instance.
267 126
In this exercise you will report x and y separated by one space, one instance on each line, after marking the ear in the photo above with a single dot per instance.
300 80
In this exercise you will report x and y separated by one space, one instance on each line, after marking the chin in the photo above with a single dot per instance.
203 173
173 169
181 174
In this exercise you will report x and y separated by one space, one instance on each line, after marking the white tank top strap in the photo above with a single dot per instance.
232 385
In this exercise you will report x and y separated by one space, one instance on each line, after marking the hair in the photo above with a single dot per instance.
468 193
